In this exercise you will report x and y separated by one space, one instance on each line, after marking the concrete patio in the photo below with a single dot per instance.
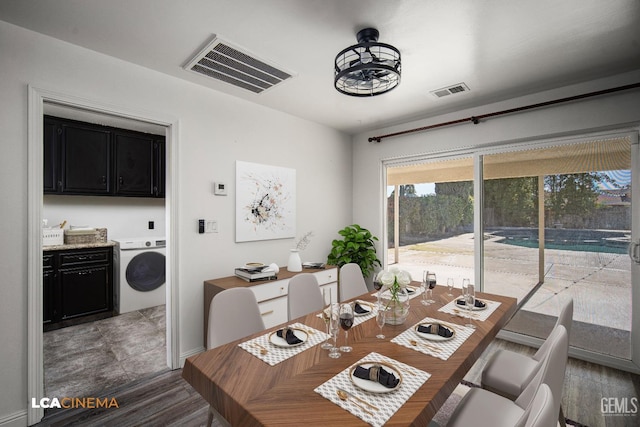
599 283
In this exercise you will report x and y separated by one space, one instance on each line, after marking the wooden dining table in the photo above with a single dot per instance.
249 392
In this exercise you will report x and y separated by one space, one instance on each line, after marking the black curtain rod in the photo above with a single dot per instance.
476 119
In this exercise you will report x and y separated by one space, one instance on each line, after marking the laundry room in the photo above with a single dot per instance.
104 247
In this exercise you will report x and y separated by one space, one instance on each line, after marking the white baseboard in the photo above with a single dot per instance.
17 419
192 352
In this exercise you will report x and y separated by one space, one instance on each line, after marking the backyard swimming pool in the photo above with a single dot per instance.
615 242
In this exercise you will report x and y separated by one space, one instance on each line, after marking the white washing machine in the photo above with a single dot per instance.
140 272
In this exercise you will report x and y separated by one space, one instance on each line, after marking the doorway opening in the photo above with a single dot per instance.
163 318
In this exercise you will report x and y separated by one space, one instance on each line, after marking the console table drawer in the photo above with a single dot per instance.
326 276
273 312
270 290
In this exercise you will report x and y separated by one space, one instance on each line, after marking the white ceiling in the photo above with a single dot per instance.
499 48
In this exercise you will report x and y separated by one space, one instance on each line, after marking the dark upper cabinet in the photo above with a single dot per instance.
160 167
52 131
134 168
88 159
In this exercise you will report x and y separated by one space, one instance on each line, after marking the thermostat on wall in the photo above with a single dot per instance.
219 189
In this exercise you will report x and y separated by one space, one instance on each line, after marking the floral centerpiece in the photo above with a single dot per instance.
394 296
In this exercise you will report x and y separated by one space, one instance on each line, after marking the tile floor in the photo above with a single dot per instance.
82 360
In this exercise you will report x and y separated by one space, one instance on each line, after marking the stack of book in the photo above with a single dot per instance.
313 265
256 274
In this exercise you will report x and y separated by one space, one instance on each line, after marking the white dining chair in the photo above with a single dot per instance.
482 408
352 282
233 314
507 373
304 295
541 413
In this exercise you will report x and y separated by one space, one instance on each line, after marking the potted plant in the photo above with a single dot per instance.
357 246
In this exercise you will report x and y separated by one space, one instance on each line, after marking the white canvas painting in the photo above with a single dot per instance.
265 202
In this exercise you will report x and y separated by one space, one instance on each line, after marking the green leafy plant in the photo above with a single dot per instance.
357 246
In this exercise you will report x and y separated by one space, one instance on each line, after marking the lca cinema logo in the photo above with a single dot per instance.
619 406
75 402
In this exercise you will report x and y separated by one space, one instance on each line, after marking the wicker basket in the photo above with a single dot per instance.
99 235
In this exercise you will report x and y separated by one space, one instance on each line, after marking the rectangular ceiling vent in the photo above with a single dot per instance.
222 61
450 90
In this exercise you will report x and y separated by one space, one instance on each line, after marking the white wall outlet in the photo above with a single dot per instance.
210 226
219 188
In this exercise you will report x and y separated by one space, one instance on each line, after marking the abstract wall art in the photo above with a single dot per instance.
265 202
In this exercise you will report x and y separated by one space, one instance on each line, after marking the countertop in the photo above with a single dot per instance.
67 247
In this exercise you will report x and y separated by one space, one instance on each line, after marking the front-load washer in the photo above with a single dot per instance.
139 272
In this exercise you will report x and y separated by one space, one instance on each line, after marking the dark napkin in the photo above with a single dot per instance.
377 373
359 309
410 290
289 336
443 331
477 303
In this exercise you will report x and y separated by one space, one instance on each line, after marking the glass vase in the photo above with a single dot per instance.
396 306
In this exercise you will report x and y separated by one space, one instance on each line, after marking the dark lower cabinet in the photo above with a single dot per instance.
84 291
77 286
48 285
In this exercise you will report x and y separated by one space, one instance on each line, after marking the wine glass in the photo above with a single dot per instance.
346 322
425 288
334 328
469 301
326 316
465 283
380 319
450 286
431 281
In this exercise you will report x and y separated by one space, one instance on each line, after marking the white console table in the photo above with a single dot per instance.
271 295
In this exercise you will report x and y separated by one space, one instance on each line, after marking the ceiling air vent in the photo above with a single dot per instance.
451 90
222 61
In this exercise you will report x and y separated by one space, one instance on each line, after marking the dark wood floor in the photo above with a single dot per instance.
165 399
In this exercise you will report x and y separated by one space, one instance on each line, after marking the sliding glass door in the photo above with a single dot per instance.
555 220
430 218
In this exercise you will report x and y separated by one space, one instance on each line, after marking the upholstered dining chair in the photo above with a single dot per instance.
233 314
304 295
541 414
351 282
507 373
482 408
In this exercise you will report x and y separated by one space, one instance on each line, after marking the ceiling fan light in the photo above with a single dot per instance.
368 68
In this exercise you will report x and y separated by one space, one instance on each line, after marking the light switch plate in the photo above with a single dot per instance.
219 189
210 226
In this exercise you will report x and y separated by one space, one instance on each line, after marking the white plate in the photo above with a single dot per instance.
374 386
281 342
434 337
464 307
364 305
